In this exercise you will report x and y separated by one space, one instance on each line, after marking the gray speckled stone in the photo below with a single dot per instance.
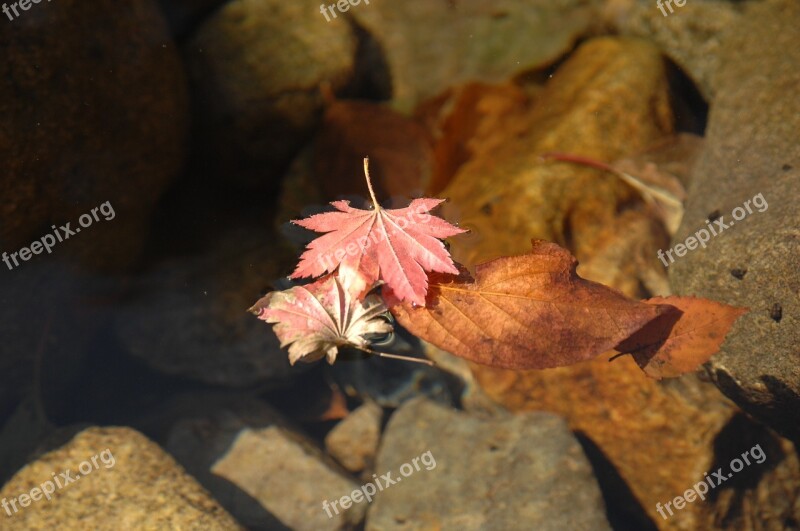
199 428
753 147
523 471
691 36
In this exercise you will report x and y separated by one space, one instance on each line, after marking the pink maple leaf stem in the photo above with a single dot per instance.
369 184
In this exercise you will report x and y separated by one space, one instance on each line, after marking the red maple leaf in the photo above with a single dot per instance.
395 245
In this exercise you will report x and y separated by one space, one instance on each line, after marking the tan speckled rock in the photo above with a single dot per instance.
354 441
135 485
289 478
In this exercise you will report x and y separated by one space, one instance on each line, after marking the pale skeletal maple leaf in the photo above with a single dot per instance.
318 318
394 245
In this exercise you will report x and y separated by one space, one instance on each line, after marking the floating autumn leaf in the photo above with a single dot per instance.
318 318
394 245
524 312
680 341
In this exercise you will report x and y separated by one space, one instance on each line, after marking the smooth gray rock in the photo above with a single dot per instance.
753 147
692 35
47 322
523 471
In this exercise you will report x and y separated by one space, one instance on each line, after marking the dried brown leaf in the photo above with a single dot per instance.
524 312
680 340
